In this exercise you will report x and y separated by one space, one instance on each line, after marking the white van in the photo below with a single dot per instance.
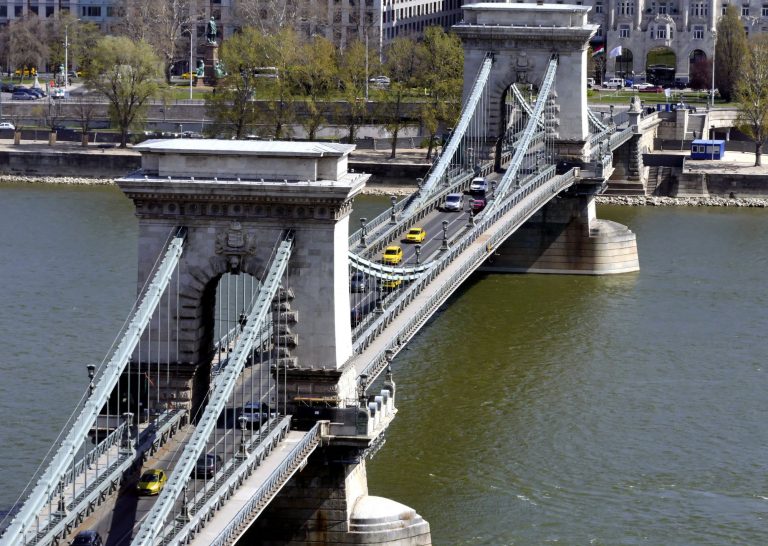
590 83
614 83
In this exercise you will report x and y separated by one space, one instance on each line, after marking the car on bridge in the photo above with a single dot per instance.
393 255
152 482
391 284
256 413
358 312
87 538
207 465
477 204
453 202
478 186
415 235
359 282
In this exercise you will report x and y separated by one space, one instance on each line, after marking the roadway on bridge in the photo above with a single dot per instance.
118 520
363 303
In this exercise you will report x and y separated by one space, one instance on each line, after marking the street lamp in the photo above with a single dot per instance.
393 214
363 230
714 51
445 236
418 253
190 64
243 453
91 375
66 51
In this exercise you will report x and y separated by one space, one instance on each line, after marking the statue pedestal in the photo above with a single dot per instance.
211 58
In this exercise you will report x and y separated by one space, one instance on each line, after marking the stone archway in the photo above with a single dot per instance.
660 63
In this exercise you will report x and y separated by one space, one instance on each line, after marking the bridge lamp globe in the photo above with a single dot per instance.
418 253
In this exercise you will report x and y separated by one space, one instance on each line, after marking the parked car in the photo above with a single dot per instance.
393 255
614 83
453 202
477 204
7 125
382 81
478 186
7 87
590 83
38 91
681 84
57 93
152 482
359 282
640 86
87 538
20 95
256 413
415 235
652 89
207 465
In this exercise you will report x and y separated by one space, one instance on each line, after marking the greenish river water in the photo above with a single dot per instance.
532 409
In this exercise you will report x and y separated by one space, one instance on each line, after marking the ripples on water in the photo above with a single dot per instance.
533 409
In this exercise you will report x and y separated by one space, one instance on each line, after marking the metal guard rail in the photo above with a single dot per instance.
61 461
595 120
543 186
150 439
524 103
263 494
467 114
222 389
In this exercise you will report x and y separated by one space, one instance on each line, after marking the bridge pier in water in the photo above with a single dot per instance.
235 200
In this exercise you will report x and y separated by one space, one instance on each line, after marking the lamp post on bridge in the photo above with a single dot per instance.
445 236
243 451
493 190
418 253
419 183
363 230
471 220
611 107
91 374
393 215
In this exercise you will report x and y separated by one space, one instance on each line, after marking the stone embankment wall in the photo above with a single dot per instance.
653 201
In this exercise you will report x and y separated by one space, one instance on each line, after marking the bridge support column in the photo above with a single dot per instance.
566 237
328 503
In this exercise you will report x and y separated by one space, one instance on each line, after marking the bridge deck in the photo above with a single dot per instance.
243 495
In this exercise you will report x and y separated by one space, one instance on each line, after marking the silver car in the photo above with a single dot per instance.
453 202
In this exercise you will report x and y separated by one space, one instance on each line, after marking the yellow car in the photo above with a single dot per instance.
415 235
186 75
393 255
152 482
391 284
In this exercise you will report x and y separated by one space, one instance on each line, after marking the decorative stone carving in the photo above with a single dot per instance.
235 243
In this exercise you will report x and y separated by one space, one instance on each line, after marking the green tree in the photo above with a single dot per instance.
128 74
25 48
404 64
282 51
752 94
352 75
315 78
233 107
81 36
444 55
730 51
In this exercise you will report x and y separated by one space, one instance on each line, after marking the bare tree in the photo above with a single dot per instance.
160 23
85 110
268 16
752 94
24 43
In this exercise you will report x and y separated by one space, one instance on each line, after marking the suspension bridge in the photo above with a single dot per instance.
251 371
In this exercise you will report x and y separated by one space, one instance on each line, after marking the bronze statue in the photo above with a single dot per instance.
210 31
200 71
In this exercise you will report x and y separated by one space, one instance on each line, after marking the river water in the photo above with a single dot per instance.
532 409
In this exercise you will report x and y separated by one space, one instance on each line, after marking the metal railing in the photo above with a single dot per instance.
524 202
223 388
261 497
61 461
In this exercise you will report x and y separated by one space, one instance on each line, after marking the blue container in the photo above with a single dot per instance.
707 149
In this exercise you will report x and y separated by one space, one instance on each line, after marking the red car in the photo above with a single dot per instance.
478 204
652 89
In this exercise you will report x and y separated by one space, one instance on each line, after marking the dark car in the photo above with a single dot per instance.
358 312
19 95
37 92
7 87
256 413
359 282
87 538
207 465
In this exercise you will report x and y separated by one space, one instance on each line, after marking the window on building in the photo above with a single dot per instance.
745 11
663 8
4 11
764 11
18 11
627 8
722 12
661 33
90 11
698 33
49 11
623 31
599 31
598 7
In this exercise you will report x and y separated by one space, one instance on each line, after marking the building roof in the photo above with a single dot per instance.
504 6
267 148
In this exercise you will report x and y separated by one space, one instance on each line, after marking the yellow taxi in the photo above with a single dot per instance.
26 72
152 482
415 235
390 284
186 75
393 255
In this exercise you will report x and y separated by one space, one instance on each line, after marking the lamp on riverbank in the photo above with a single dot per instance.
714 53
66 51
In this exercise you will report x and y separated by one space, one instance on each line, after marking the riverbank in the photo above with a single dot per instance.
406 189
